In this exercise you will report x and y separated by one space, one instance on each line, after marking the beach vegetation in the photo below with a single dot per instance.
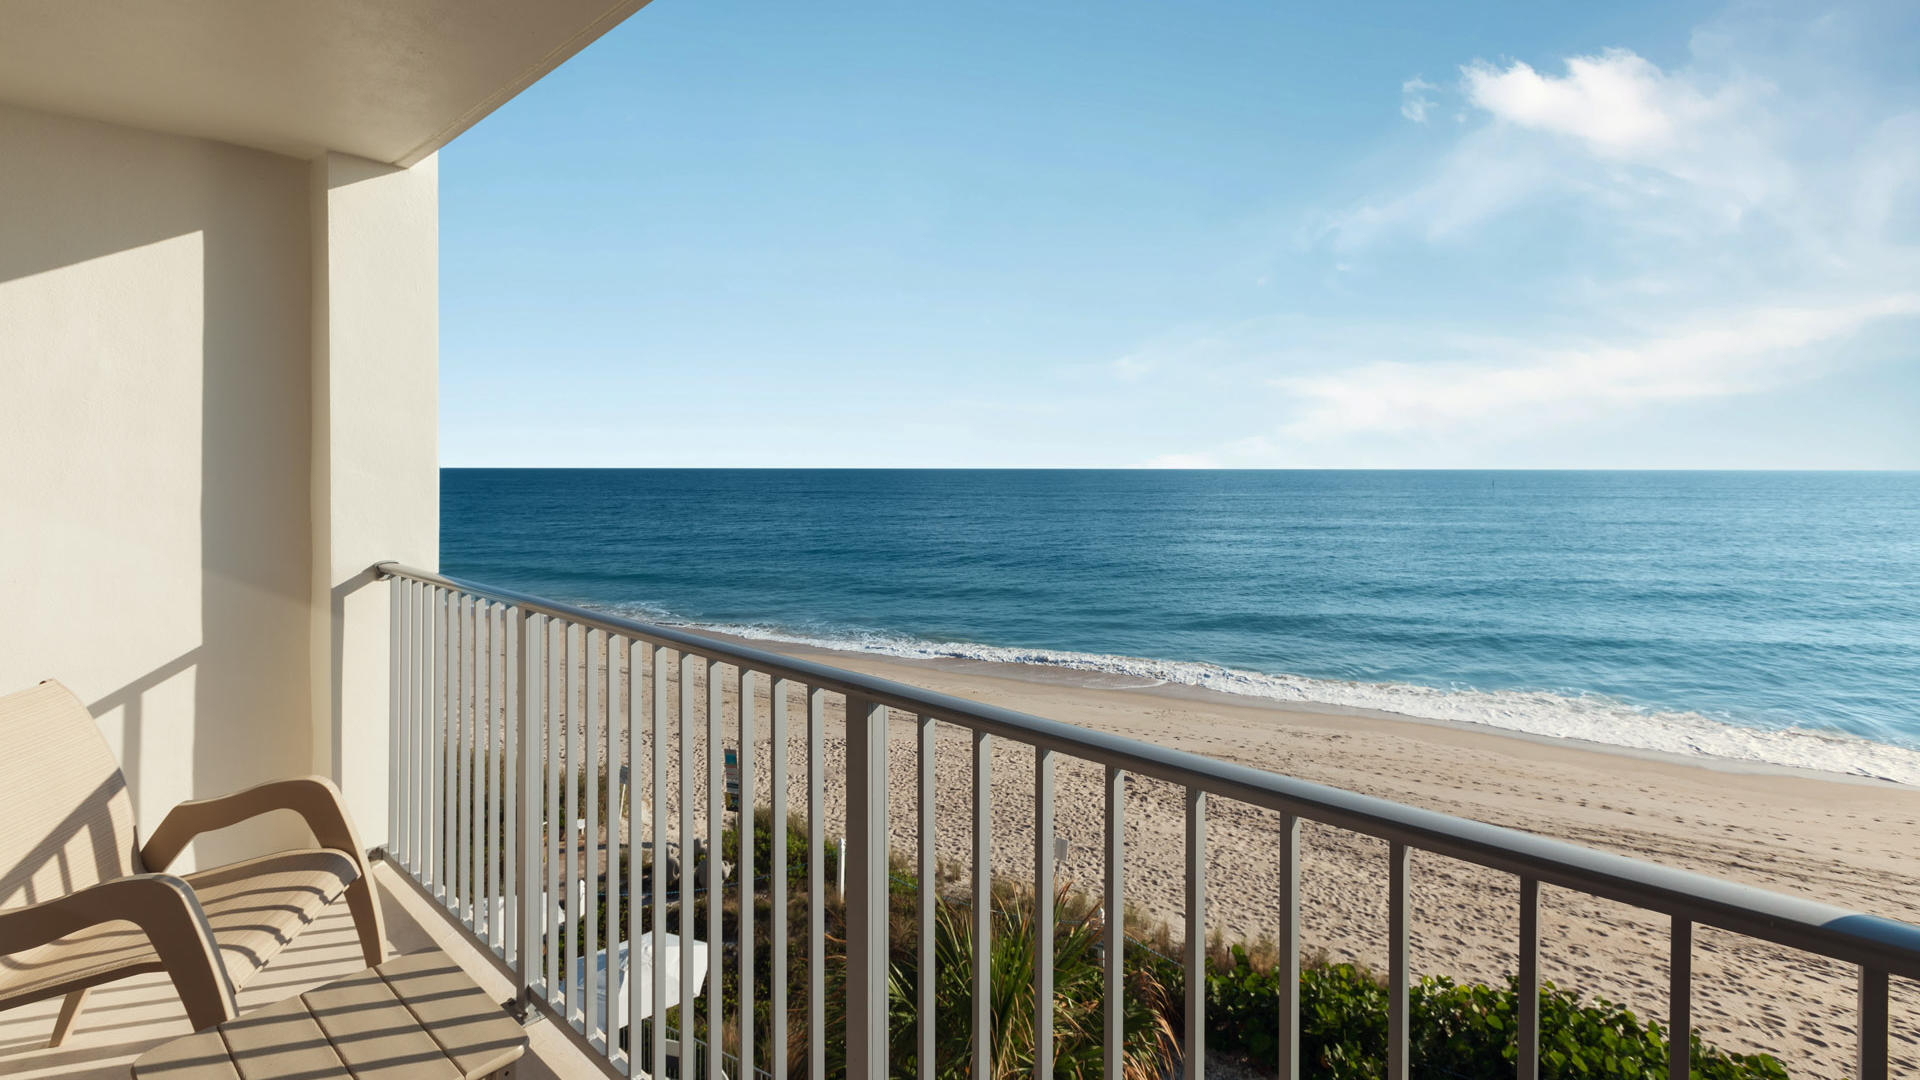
1459 1030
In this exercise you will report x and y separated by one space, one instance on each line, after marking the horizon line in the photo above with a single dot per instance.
1196 468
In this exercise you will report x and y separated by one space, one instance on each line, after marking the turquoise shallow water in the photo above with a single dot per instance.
1764 616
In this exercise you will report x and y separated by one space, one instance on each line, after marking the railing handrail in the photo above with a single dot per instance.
1869 941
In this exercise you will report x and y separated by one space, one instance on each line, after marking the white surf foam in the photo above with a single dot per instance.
1592 717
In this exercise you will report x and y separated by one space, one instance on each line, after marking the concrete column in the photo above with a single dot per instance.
375 464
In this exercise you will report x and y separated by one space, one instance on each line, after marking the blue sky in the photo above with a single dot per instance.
736 232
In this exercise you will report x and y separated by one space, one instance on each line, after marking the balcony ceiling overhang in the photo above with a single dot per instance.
388 80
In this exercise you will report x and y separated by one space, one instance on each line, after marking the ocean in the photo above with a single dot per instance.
1762 617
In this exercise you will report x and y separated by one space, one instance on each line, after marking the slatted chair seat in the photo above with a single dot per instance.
255 908
83 903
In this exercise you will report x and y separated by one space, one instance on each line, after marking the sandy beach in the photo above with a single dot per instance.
1835 839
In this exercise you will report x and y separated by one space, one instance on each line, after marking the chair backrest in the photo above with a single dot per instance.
66 818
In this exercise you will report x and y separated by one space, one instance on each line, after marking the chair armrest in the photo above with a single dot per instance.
164 908
314 798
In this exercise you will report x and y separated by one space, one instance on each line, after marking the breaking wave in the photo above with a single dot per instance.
1588 717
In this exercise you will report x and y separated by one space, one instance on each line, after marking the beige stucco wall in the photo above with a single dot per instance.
154 410
195 447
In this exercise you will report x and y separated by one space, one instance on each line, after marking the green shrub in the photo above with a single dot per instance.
1149 1047
1460 1031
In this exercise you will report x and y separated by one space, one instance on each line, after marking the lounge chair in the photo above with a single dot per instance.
83 903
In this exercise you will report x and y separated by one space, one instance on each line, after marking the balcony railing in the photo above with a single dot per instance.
495 693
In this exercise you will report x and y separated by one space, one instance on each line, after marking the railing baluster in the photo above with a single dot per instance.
982 905
817 884
1871 1061
423 735
605 868
570 825
716 812
636 885
470 745
446 689
1196 1034
482 732
456 742
1113 931
924 1012
688 702
428 797
499 775
1043 914
556 650
1680 1001
483 703
1398 957
777 774
610 987
420 694
747 997
491 765
420 852
450 748
463 773
587 920
1289 946
866 896
419 690
657 1066
396 719
477 788
1526 1035
416 752
523 836
462 846
509 708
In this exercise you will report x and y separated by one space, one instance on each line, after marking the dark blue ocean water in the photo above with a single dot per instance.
1769 616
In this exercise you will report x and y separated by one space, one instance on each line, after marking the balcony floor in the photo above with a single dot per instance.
124 1019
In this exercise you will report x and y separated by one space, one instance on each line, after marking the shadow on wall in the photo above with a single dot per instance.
78 191
336 667
131 701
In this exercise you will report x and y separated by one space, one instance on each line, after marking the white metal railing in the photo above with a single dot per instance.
496 692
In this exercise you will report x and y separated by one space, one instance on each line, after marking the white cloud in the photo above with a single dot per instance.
1618 102
1415 103
1692 149
1738 353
